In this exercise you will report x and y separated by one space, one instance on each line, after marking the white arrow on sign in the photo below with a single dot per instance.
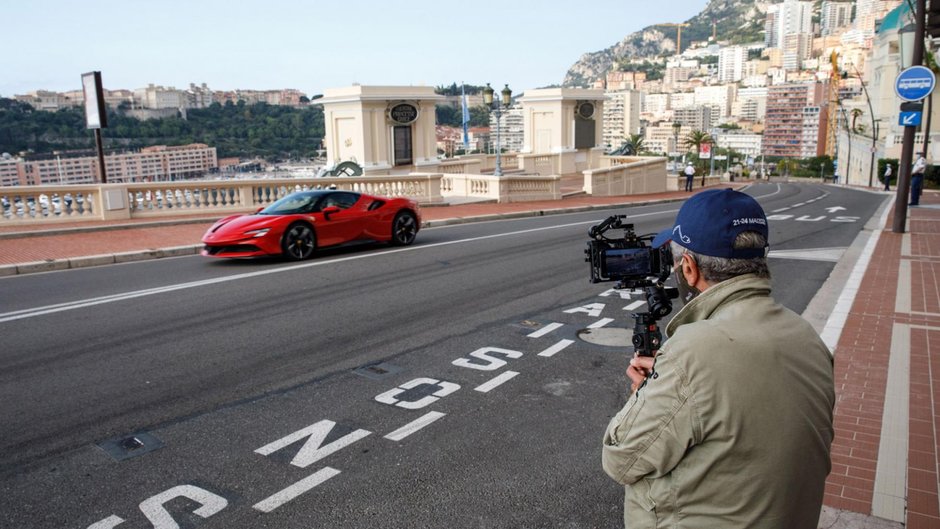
833 209
908 119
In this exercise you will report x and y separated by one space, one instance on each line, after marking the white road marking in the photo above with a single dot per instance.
280 498
557 348
635 305
600 323
414 426
496 381
491 364
591 309
545 330
90 302
313 449
840 313
779 210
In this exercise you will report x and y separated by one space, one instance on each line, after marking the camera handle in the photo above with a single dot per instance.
647 337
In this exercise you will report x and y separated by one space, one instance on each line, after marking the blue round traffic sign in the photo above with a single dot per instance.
915 83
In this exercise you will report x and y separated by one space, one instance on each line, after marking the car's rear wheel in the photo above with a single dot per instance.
404 228
298 242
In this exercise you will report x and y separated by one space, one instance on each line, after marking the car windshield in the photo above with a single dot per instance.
302 202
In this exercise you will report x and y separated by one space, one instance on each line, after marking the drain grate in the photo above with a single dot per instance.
377 371
130 446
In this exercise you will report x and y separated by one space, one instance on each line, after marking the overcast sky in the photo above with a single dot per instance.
310 45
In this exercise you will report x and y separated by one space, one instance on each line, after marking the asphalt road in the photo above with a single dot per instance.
245 379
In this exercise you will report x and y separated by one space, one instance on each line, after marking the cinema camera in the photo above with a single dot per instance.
633 263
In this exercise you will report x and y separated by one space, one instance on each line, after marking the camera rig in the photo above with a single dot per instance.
633 263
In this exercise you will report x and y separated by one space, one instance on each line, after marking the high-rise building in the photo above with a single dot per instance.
511 134
621 116
791 16
791 121
835 15
695 117
720 96
731 61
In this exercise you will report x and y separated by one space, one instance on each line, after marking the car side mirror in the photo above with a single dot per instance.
329 211
259 209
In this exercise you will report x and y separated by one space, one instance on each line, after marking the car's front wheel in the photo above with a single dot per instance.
298 242
404 229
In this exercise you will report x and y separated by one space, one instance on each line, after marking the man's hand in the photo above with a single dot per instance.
640 368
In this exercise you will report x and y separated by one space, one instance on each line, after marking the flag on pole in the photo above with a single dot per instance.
465 118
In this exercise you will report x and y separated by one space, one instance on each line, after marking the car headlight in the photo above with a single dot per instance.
258 233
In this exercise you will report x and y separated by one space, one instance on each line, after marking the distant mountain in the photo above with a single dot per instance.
736 21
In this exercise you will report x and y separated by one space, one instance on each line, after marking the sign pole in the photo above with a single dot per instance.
100 147
903 187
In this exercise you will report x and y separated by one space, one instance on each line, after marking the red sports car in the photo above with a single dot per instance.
301 222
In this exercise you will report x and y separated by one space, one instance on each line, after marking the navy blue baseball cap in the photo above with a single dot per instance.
709 222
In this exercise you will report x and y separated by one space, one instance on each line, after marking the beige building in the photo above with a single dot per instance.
566 121
157 163
381 128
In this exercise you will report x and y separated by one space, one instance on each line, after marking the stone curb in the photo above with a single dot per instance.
157 253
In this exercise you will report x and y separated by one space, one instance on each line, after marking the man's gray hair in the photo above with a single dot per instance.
718 269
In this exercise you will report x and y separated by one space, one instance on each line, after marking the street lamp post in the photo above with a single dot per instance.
676 126
498 109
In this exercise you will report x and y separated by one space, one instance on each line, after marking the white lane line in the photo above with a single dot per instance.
280 498
496 381
798 205
414 426
600 323
840 313
557 348
80 304
635 305
545 330
779 210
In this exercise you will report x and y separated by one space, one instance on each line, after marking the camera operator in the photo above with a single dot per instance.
733 428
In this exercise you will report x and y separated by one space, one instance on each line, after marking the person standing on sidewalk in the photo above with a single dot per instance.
887 177
733 427
689 176
917 179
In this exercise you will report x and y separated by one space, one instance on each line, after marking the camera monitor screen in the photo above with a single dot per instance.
630 262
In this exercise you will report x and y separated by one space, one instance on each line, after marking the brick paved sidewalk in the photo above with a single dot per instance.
885 453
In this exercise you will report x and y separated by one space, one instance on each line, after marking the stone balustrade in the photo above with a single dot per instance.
52 204
637 176
508 188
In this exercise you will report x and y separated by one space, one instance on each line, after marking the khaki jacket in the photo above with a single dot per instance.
735 429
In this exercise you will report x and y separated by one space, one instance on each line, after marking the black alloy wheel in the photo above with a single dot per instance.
299 242
404 229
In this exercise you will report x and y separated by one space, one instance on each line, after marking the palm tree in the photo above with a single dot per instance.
637 141
856 113
696 139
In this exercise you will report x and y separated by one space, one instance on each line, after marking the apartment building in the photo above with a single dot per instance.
835 16
511 134
156 163
794 117
746 143
621 116
663 139
695 117
720 96
731 61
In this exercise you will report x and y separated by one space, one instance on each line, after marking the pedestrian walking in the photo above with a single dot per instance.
917 179
887 176
741 396
689 176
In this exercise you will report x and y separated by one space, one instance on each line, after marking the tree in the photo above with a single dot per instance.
637 141
856 113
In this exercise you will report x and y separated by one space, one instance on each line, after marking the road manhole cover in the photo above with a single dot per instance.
608 336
